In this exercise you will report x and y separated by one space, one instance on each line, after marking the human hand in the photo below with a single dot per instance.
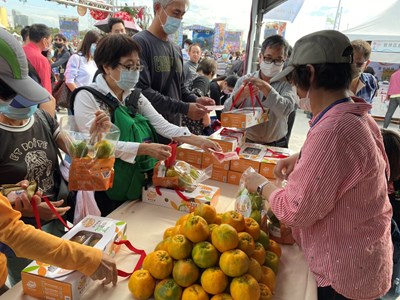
196 111
285 166
107 270
260 84
207 144
23 205
100 125
245 94
206 101
253 180
158 151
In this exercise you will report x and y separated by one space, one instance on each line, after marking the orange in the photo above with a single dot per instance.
255 269
223 296
179 247
141 284
245 288
252 227
259 253
266 293
168 232
274 247
234 262
163 245
214 281
246 243
211 227
218 219
225 237
194 292
206 211
182 219
167 289
268 278
205 255
159 263
185 272
264 239
196 229
272 261
235 219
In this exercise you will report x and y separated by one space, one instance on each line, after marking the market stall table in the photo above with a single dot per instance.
146 224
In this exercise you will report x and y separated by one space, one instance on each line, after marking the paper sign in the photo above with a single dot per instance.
215 107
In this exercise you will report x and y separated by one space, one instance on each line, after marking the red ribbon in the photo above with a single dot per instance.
53 209
170 161
277 154
229 133
142 254
235 99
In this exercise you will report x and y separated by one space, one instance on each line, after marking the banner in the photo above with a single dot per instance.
233 39
285 12
205 38
272 28
69 26
219 37
386 46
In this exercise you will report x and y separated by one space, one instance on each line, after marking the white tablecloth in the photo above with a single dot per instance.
146 224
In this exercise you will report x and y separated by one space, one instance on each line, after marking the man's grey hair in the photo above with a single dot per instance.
164 3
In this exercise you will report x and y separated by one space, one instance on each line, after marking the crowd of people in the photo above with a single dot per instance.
342 191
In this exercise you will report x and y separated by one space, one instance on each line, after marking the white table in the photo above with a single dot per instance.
146 224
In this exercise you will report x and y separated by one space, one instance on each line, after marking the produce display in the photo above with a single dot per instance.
210 256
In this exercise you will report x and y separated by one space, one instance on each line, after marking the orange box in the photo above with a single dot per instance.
267 167
234 177
209 159
230 139
191 154
242 164
219 175
244 117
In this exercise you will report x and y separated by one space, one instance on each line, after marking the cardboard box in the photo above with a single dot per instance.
244 117
251 151
219 175
191 154
171 199
234 177
209 159
242 165
49 282
229 139
270 159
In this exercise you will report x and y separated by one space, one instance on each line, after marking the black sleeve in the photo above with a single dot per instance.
200 86
215 92
63 59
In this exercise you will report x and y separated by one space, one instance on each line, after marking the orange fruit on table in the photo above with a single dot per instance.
159 263
225 237
183 219
141 284
179 247
266 293
272 261
218 219
234 262
206 211
259 253
223 296
268 278
196 229
185 272
214 281
252 227
263 239
275 247
194 292
205 255
245 288
234 219
163 245
246 243
255 269
167 289
211 227
168 232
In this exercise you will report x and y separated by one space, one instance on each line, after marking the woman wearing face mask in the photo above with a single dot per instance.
277 96
81 66
221 88
117 58
336 197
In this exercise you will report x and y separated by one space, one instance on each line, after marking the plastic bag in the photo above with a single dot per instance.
92 166
250 204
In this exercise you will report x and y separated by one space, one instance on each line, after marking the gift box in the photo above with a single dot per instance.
180 200
229 139
219 175
244 117
191 154
234 177
270 159
242 164
44 281
252 151
209 159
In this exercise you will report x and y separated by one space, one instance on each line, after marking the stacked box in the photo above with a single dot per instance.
234 177
219 175
229 139
209 159
244 118
269 161
182 201
190 154
44 281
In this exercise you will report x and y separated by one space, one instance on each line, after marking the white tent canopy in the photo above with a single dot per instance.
383 27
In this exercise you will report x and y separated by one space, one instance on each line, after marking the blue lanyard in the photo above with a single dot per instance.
321 114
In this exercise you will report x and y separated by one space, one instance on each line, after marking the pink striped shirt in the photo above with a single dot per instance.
336 202
394 84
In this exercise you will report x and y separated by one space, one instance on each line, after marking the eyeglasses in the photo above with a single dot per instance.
277 62
132 67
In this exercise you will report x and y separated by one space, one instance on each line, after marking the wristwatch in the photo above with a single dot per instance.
261 186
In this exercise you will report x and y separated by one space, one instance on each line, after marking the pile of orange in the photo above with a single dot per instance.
210 256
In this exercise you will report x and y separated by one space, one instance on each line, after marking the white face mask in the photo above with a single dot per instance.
304 103
127 80
270 70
